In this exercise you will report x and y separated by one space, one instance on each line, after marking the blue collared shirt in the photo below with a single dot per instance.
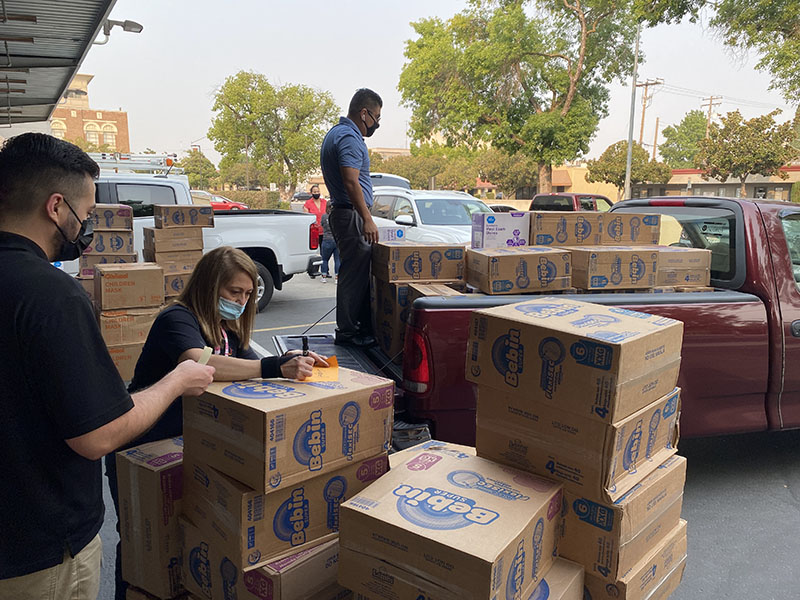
344 146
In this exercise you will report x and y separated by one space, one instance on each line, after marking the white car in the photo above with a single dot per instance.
436 216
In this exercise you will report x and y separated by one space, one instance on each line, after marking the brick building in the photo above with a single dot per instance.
73 119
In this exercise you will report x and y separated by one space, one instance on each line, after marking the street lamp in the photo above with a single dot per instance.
129 26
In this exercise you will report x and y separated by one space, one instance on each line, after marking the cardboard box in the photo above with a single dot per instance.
629 229
598 460
600 362
399 458
209 573
681 257
693 288
651 577
684 277
390 314
392 234
519 270
127 326
560 228
125 357
112 217
462 523
564 581
424 290
275 433
256 527
174 262
150 490
663 289
613 267
111 243
501 230
134 593
88 287
87 262
174 283
609 539
176 239
182 215
132 285
404 261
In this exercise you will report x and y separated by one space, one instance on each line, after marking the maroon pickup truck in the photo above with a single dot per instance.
741 354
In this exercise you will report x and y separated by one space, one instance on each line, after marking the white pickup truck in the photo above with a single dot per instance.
279 241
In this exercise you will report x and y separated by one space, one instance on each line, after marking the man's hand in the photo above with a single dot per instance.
298 368
193 377
370 231
319 359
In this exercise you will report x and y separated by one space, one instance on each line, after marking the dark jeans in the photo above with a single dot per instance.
352 293
329 249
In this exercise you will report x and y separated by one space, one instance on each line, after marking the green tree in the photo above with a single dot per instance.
200 171
507 172
417 169
528 82
739 148
680 141
241 172
276 128
610 167
88 146
148 150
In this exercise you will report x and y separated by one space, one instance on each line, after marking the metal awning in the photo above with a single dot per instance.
42 45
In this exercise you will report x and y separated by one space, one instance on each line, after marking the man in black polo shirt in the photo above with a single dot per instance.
62 402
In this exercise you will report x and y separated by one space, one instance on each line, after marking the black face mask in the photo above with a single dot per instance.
70 250
315 196
375 125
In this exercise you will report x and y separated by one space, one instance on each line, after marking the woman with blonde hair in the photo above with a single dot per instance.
217 308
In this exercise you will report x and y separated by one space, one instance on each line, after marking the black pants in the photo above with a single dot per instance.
352 294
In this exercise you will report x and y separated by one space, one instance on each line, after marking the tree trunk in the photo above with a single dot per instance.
545 183
743 189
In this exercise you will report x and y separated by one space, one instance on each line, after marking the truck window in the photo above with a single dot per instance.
382 206
142 197
587 202
791 229
551 203
403 207
602 204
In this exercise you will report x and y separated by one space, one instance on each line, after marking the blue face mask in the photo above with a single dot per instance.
229 310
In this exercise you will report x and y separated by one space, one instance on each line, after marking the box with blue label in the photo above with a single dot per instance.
88 262
255 526
397 233
462 523
275 433
613 267
406 261
112 217
629 229
501 230
559 228
174 283
599 460
608 539
181 261
111 243
182 215
210 572
600 362
176 239
531 269
654 577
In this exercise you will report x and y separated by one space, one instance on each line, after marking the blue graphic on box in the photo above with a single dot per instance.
561 230
594 514
502 285
630 313
523 281
310 442
441 448
614 337
325 385
552 353
229 573
516 239
546 272
632 447
413 265
616 271
471 480
516 574
542 591
508 356
334 494
671 406
490 219
638 269
583 229
594 321
258 390
433 508
176 283
348 419
655 421
543 311
615 229
538 548
591 354
436 263
292 518
200 568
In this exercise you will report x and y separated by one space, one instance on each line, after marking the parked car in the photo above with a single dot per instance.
436 216
503 208
223 203
382 179
281 243
570 201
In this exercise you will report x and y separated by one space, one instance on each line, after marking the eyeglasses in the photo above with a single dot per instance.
378 120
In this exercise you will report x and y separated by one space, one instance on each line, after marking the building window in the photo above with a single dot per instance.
72 113
99 115
92 133
110 136
59 129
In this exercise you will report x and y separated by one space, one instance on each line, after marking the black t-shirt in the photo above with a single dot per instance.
174 331
57 381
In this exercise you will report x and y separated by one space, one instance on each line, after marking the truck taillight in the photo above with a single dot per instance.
313 236
417 372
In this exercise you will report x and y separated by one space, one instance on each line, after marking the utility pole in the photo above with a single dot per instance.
655 140
645 99
711 104
626 191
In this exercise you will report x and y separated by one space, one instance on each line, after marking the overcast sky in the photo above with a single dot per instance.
165 77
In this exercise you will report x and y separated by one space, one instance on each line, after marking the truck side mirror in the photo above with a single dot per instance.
405 220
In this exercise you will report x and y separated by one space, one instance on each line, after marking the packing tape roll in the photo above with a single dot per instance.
203 360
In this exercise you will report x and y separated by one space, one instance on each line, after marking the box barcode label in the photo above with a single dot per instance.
363 502
258 508
474 354
280 428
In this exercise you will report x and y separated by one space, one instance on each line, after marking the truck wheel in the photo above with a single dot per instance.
265 286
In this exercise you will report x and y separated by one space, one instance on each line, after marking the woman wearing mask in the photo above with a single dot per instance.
316 205
217 308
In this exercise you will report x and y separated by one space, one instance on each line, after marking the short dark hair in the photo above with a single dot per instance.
314 186
35 165
364 98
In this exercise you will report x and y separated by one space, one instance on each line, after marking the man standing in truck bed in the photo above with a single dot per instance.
345 167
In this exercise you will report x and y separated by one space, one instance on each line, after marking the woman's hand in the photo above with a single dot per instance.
300 367
319 360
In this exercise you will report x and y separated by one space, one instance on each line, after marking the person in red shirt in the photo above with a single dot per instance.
316 205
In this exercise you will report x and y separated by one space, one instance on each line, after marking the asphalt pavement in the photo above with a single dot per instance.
742 496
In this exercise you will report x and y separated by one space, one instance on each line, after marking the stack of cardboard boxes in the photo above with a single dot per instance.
395 266
176 242
585 394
